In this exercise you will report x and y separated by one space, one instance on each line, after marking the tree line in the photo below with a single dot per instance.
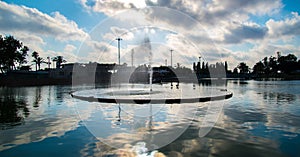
13 56
274 65
266 67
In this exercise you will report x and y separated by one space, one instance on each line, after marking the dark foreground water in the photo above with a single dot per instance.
261 119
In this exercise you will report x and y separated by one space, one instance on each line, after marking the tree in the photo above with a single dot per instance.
35 56
243 67
12 53
258 68
273 64
288 63
235 70
203 66
266 65
23 54
59 60
37 60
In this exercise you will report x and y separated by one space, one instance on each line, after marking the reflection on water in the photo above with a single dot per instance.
13 109
261 119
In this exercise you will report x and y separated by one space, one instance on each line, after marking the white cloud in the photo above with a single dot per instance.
112 7
70 48
224 22
118 32
35 28
23 19
217 11
288 27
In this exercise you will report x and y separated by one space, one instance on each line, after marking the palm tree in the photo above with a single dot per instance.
59 60
35 55
39 60
22 55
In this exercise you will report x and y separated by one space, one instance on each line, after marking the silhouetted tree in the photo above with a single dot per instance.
59 60
37 60
235 70
243 67
288 63
273 67
258 68
35 55
12 53
22 56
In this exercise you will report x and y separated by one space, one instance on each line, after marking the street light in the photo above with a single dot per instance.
200 61
119 39
171 57
132 55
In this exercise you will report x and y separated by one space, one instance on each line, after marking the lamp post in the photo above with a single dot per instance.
119 39
200 61
132 55
48 62
171 57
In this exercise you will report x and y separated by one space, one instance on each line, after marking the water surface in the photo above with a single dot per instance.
261 119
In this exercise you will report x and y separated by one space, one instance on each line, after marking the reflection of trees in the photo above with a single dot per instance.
59 93
13 109
37 97
279 97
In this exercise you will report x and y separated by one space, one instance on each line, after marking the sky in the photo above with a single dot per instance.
215 30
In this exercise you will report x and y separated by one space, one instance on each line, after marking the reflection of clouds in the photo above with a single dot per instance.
230 135
47 120
161 128
264 114
238 115
126 150
227 138
277 102
35 131
155 124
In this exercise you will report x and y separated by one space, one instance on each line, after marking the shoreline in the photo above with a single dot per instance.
38 80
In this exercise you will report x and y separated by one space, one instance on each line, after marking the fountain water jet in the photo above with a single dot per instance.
148 50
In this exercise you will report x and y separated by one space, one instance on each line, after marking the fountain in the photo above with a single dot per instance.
136 108
152 95
142 96
128 113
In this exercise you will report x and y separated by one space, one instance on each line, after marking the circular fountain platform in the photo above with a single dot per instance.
160 94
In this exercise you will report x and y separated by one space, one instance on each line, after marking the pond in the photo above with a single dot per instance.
261 119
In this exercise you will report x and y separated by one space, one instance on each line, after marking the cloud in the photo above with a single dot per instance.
240 32
255 7
112 7
118 32
217 11
15 18
97 51
220 22
288 27
214 16
70 48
